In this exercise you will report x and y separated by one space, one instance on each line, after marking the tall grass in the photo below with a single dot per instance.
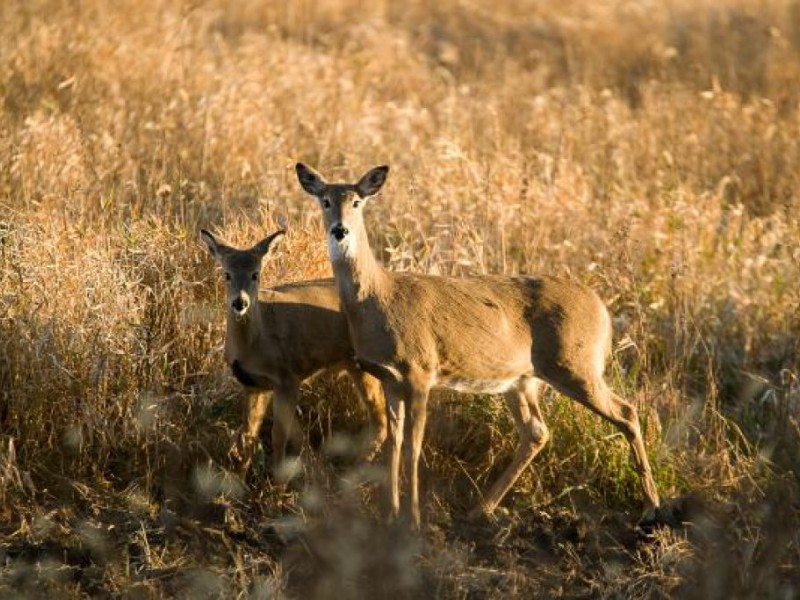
650 150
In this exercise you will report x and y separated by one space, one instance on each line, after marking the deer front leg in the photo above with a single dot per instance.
415 425
395 408
254 406
371 394
284 405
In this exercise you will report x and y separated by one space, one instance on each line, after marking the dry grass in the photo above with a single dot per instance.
649 149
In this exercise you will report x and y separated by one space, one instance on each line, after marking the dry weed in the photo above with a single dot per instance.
649 149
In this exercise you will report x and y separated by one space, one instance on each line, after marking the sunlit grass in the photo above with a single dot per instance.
649 150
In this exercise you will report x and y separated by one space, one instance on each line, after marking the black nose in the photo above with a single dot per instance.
339 231
239 304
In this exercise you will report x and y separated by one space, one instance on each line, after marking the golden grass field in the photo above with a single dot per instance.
649 149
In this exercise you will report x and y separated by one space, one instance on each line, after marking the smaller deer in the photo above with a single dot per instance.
277 343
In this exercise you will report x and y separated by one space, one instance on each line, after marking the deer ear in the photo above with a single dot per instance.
211 242
372 181
311 181
265 246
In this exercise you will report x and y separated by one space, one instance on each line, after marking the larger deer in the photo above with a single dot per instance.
481 334
279 342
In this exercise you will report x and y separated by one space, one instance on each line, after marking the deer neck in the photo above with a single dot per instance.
243 333
360 275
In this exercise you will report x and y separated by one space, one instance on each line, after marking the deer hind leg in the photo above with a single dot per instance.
595 394
254 407
371 394
523 402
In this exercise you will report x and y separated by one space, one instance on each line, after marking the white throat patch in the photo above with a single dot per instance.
342 250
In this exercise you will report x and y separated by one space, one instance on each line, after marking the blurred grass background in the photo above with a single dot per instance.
650 149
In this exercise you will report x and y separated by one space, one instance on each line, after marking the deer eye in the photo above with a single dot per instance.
227 276
326 203
356 203
255 277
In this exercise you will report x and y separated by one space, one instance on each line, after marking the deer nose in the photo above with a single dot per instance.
339 231
240 305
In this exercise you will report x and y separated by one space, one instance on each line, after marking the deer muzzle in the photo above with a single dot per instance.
240 304
339 231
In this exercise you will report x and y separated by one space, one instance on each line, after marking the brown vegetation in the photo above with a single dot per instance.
650 150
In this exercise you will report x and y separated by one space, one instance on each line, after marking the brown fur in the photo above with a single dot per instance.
490 334
294 332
